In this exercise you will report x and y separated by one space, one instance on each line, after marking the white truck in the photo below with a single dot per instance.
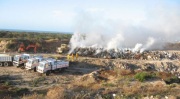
32 63
20 60
49 65
5 60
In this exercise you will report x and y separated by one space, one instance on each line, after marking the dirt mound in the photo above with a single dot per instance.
3 44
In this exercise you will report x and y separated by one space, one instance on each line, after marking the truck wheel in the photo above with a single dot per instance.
6 64
62 69
47 73
59 70
1 64
22 67
34 69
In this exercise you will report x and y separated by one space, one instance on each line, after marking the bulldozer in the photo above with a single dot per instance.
62 49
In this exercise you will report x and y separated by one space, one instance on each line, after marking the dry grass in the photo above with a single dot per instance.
126 72
86 81
141 89
164 75
33 96
134 89
55 93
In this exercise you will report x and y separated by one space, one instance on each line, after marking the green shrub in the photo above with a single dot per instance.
107 96
6 83
142 76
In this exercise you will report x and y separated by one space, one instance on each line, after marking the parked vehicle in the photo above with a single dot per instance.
49 65
5 60
32 63
20 60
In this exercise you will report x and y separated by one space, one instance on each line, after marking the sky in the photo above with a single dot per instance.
67 15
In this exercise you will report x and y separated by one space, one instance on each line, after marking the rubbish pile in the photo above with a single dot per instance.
125 54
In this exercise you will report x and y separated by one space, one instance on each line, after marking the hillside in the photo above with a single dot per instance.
46 42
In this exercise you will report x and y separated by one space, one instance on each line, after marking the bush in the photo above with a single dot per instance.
172 80
7 83
11 46
36 81
141 76
21 91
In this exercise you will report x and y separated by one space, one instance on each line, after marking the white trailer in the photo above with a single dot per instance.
47 66
20 60
32 63
5 60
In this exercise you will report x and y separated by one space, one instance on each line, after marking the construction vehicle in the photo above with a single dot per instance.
50 65
20 60
5 60
32 63
22 47
62 49
34 46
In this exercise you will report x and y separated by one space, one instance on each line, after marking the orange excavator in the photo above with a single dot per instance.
32 46
22 47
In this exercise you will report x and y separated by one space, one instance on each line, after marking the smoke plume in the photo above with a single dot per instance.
160 25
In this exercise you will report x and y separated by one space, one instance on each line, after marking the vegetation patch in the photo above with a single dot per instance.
142 76
172 80
36 81
109 85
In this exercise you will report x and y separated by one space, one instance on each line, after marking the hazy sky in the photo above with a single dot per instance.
64 15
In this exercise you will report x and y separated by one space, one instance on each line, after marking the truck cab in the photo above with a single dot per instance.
32 63
20 60
45 65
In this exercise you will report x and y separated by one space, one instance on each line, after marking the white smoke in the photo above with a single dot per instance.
115 42
160 26
137 47
149 43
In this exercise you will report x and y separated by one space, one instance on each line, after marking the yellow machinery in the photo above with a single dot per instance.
63 48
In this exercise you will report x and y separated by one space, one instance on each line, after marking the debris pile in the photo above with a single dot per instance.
125 54
164 66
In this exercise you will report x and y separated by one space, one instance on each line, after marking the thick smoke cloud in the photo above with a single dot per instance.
160 25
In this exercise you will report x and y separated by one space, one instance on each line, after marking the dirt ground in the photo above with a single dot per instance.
77 71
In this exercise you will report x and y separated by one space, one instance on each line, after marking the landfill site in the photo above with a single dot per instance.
89 49
84 66
91 73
